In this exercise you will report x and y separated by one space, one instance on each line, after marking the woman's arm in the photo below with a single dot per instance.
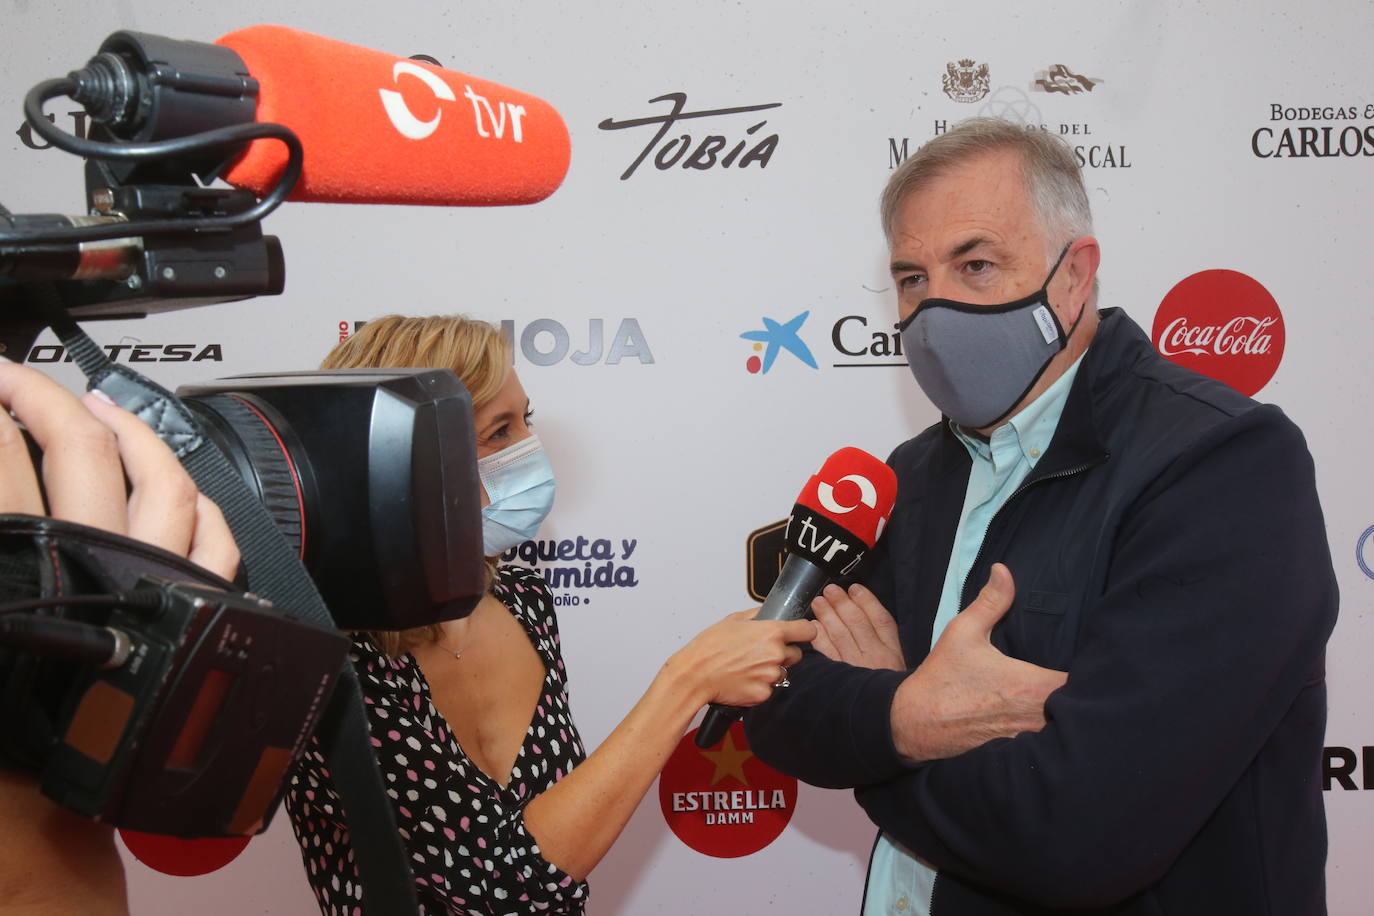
735 662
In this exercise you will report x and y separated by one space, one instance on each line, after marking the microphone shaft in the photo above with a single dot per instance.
799 581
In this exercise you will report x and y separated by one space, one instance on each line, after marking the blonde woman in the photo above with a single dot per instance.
501 808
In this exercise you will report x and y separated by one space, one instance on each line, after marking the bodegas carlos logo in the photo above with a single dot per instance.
1223 324
724 801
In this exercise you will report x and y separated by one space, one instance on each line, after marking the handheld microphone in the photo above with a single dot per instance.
373 128
837 518
390 130
279 114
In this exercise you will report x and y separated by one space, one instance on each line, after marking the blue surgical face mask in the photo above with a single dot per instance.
976 362
519 484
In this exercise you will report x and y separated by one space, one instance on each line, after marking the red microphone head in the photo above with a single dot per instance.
842 510
855 491
390 130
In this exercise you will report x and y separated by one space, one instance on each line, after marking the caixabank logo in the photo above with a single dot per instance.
775 338
724 801
853 341
1223 324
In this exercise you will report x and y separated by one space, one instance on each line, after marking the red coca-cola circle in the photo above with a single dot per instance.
1223 324
724 801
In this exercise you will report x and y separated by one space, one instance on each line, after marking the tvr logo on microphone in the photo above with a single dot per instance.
489 121
817 538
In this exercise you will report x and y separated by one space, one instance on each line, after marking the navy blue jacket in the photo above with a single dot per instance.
1169 553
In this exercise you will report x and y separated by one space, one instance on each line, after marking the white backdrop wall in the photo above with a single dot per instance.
676 445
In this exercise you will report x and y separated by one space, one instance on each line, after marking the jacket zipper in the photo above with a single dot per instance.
1058 475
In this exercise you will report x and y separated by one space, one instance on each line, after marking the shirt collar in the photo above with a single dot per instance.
1030 431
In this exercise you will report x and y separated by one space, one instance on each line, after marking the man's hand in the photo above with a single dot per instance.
854 627
90 447
966 692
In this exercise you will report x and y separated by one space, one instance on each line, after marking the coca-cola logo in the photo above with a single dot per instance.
1222 324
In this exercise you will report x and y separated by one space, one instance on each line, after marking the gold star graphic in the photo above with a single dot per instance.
729 761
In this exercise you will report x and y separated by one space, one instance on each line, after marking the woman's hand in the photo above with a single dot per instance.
739 660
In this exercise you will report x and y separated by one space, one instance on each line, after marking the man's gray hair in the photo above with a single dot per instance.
1052 175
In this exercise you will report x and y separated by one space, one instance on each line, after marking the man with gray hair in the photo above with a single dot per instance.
1150 553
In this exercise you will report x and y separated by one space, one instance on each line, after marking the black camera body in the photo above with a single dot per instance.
196 731
190 724
371 474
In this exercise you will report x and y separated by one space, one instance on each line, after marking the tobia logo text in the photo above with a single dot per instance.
754 146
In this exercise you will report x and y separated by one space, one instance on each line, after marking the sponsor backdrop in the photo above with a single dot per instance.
701 314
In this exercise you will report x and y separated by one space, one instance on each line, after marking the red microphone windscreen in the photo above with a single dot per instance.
381 129
855 491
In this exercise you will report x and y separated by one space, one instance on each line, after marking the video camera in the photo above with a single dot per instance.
144 691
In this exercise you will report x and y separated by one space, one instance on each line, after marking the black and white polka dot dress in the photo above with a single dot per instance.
466 834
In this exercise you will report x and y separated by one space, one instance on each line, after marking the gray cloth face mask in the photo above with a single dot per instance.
976 362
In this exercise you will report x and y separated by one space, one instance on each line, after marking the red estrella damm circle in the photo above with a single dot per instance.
183 858
724 801
1223 324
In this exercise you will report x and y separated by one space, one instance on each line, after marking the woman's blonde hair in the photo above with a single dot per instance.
476 352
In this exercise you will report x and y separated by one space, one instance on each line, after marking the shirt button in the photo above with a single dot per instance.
902 903
1035 453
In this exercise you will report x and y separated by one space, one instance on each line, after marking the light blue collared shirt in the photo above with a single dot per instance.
899 883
